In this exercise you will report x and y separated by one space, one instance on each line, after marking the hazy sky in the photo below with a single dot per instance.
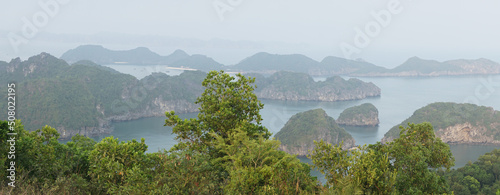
441 30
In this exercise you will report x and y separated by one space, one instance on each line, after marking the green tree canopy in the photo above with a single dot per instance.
414 153
226 104
231 147
405 165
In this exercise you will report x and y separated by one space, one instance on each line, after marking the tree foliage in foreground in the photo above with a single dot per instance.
480 177
256 166
226 104
229 135
402 166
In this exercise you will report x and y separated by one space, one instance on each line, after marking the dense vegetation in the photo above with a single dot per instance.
364 114
285 85
73 97
302 128
446 114
226 150
480 177
87 96
404 166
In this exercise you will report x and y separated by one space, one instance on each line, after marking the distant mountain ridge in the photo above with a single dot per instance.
266 63
140 56
419 67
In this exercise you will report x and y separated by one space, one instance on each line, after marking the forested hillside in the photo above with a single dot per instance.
480 177
84 97
457 123
300 86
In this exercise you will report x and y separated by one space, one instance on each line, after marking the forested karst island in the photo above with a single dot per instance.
456 123
302 129
363 115
266 63
285 85
85 98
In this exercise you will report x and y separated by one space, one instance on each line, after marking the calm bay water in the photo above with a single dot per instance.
142 71
400 98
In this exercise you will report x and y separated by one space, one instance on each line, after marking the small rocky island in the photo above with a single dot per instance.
298 134
363 115
456 123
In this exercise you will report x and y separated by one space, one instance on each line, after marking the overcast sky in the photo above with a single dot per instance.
441 30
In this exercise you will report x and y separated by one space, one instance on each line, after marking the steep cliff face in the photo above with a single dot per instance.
299 133
155 109
103 127
328 94
362 115
300 86
466 133
302 150
456 123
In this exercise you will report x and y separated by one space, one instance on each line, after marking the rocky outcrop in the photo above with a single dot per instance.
302 150
362 115
104 127
299 133
465 133
157 108
456 123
